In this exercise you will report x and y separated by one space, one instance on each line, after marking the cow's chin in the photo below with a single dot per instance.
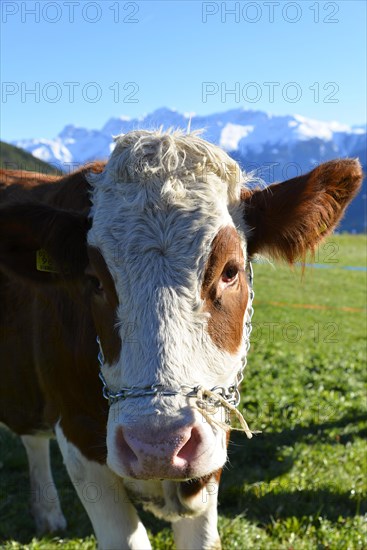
172 500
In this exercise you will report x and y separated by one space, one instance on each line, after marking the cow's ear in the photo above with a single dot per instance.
287 219
41 243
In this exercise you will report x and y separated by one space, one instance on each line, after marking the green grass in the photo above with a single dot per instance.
301 483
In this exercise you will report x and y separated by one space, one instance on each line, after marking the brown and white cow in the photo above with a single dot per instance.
149 253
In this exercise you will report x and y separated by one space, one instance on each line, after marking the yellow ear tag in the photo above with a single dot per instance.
45 262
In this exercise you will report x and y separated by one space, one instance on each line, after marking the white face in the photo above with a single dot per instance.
155 230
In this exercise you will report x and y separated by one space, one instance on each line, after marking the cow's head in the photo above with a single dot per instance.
171 263
163 253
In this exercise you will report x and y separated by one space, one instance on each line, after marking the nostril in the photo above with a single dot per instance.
124 449
189 450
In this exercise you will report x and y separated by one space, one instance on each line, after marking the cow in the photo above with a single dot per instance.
125 308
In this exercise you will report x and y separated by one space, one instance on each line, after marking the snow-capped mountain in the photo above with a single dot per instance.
274 147
238 130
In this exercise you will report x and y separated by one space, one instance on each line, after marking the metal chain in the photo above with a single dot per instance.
231 394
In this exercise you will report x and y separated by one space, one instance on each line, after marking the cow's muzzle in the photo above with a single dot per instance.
161 454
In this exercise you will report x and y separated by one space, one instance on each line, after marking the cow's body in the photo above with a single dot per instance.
152 251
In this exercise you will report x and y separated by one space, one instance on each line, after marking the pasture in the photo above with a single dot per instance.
301 483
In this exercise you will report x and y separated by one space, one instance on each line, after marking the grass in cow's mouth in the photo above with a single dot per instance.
300 484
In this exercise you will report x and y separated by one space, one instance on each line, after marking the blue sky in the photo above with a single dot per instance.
89 61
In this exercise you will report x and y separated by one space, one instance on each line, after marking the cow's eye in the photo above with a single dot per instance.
95 284
230 273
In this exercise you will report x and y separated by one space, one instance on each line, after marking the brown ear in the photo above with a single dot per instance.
28 228
287 219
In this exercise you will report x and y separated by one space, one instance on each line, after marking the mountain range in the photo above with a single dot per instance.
12 158
273 147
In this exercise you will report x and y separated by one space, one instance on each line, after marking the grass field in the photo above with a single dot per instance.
301 483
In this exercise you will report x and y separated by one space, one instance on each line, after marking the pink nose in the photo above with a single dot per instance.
159 455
